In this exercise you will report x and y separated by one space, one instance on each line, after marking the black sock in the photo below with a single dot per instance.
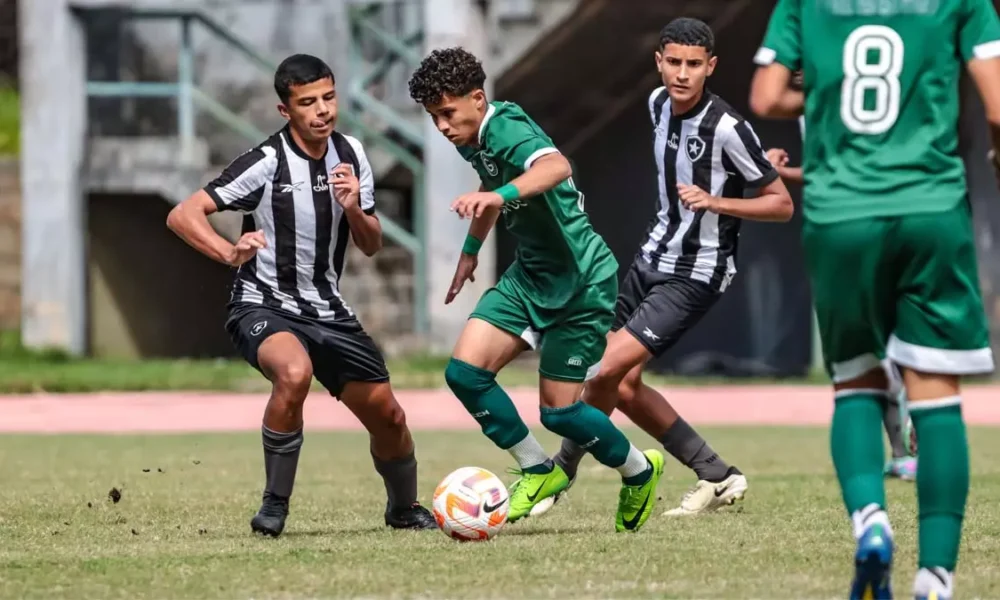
400 478
684 444
569 457
281 459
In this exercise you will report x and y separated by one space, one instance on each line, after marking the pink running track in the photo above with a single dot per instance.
425 409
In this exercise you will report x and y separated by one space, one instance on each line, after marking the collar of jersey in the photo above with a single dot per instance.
486 119
706 97
287 132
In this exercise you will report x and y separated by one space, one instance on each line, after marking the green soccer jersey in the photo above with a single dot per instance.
558 252
882 104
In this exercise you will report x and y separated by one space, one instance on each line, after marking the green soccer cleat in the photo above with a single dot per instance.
530 489
636 502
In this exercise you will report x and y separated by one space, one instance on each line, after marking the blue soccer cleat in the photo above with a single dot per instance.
873 565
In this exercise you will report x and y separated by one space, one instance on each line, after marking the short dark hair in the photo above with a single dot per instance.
299 69
451 71
688 32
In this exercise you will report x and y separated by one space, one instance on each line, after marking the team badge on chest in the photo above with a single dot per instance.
694 146
489 165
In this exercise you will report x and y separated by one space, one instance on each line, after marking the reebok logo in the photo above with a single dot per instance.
649 333
288 188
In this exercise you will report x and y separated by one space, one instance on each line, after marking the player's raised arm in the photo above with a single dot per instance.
239 187
771 92
979 43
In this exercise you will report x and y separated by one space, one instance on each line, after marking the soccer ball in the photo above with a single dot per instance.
471 504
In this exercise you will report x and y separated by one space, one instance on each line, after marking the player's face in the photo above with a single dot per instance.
458 117
684 70
312 109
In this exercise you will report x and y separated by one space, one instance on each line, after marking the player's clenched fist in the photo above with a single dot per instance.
246 248
473 205
346 188
694 198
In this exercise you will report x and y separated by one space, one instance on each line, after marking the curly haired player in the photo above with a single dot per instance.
557 297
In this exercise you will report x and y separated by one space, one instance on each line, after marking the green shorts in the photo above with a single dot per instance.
570 340
905 287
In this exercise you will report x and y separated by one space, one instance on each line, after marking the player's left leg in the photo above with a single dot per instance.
853 328
571 352
941 335
902 464
352 368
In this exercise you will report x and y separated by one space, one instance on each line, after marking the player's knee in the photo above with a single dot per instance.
293 378
392 415
466 381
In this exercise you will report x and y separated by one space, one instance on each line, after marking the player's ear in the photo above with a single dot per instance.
479 97
283 111
658 56
711 64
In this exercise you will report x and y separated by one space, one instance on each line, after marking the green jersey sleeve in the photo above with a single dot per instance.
783 40
517 142
979 31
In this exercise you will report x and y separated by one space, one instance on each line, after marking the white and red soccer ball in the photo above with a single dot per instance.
471 504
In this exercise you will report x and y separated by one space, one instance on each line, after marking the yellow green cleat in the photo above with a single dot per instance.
636 502
532 488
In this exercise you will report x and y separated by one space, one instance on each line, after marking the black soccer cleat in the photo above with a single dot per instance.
411 517
270 519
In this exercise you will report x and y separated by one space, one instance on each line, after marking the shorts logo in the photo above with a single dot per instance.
695 147
575 361
489 165
258 327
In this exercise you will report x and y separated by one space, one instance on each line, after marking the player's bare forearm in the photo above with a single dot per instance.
482 225
189 220
366 230
772 96
773 204
791 174
544 174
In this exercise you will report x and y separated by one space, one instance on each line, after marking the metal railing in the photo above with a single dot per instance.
191 100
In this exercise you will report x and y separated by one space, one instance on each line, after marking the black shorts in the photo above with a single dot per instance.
341 352
657 308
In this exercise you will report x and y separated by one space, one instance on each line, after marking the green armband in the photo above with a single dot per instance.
508 192
472 245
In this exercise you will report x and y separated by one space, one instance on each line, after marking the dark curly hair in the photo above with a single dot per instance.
451 71
688 32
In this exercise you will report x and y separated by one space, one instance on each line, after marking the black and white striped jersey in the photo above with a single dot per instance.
285 193
713 147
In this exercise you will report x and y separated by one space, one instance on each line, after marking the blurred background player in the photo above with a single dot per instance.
707 158
898 428
889 244
557 296
305 191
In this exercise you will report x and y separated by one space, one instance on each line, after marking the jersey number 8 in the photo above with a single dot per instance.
877 80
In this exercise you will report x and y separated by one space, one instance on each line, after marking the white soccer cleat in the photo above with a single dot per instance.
543 507
707 496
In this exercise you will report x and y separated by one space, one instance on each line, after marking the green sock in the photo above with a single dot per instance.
856 447
942 479
488 404
593 431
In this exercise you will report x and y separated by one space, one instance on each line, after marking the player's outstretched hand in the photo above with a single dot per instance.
473 205
246 247
778 157
695 198
466 271
345 185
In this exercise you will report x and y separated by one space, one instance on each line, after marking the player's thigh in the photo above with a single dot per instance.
941 326
572 348
272 344
670 308
630 295
346 354
498 330
853 286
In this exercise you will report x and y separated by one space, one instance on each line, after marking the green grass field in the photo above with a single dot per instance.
181 529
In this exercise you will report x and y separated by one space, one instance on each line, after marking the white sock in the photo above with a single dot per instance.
528 452
932 580
635 464
868 516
